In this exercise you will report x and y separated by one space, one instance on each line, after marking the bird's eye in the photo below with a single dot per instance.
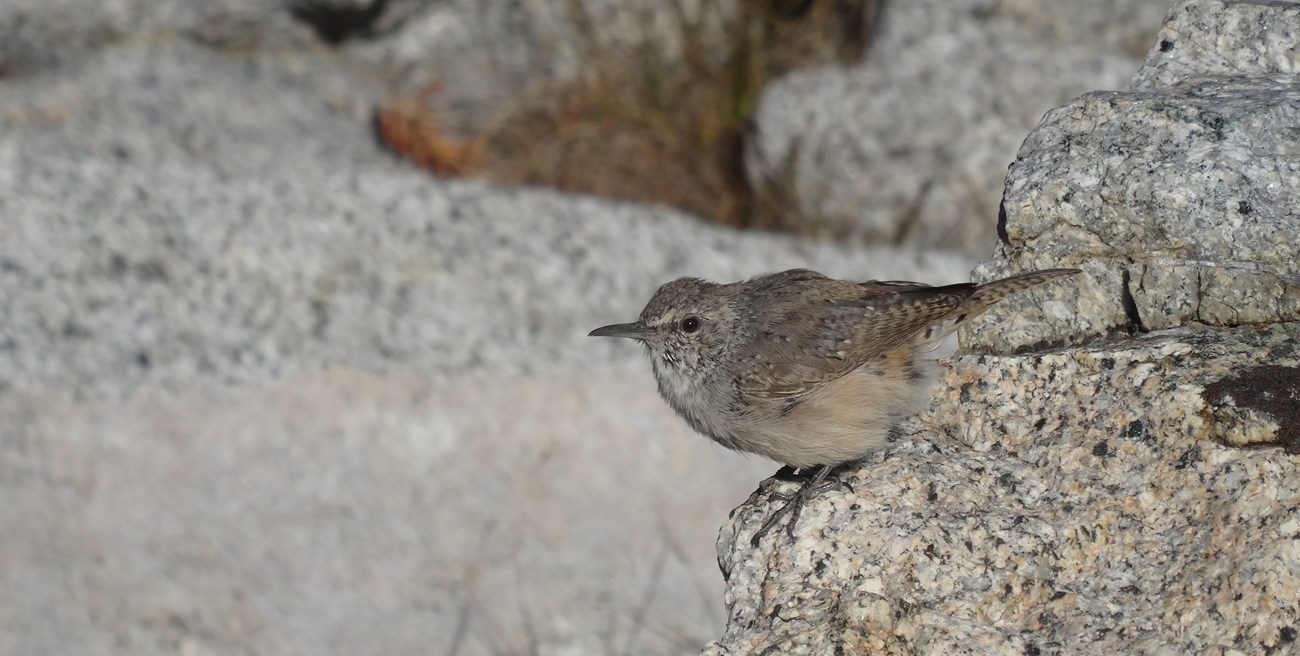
690 324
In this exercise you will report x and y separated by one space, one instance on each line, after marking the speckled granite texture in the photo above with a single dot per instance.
1179 197
1077 501
1136 493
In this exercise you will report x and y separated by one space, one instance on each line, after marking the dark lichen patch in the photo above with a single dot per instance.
1137 432
1134 430
1008 482
1287 634
1216 124
1272 390
1188 459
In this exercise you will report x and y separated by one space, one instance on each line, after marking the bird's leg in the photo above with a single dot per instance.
785 474
793 506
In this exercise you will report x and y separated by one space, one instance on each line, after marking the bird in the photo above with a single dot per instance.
809 371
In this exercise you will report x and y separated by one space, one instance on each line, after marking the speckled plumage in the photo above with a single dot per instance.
798 367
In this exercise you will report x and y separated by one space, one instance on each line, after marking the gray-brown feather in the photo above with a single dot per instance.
820 330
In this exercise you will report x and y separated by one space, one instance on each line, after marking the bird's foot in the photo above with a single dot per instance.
812 486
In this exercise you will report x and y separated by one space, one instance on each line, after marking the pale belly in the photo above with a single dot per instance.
845 420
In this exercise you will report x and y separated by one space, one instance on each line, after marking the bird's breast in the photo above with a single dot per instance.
700 402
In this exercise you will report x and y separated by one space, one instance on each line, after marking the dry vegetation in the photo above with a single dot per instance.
648 126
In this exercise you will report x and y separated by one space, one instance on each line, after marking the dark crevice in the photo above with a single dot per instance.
1130 305
335 24
1002 222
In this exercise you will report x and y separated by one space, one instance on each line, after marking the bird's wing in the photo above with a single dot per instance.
820 336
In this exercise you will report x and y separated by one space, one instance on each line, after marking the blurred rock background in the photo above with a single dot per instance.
268 386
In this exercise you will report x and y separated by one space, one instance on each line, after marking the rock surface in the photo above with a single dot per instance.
912 145
1130 495
1178 197
482 50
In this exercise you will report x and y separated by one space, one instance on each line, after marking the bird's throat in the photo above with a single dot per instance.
686 395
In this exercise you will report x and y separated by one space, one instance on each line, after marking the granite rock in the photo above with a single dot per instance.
1075 501
481 52
45 35
1208 40
1178 196
912 144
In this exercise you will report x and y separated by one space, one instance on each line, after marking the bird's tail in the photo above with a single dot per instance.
986 295
992 292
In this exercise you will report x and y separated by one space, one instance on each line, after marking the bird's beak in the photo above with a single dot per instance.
628 330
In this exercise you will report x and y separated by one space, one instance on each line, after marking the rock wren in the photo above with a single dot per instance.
806 370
